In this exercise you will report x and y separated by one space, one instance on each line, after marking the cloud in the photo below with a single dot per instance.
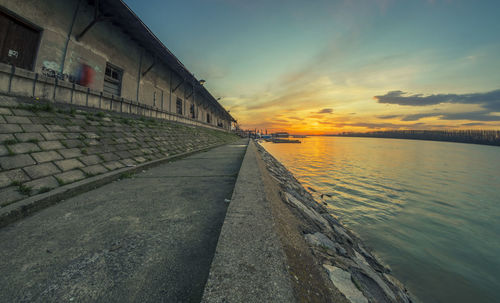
488 100
288 99
312 95
327 122
416 117
388 117
375 126
474 124
325 111
316 116
474 116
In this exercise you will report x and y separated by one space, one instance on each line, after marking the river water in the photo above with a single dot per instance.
430 210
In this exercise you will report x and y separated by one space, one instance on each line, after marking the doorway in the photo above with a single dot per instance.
18 42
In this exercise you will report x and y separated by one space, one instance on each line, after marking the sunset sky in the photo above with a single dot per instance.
327 66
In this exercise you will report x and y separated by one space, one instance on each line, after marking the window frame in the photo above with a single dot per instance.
192 111
112 80
178 106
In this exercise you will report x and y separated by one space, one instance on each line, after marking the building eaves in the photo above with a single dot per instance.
122 16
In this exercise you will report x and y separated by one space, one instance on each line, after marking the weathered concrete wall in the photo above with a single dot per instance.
42 149
60 52
103 43
20 82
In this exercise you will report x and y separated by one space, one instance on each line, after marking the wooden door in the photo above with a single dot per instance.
18 42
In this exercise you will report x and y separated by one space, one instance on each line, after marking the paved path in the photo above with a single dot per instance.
150 238
249 263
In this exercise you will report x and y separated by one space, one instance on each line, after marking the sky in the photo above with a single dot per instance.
328 66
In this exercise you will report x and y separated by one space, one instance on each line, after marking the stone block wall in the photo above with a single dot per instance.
42 148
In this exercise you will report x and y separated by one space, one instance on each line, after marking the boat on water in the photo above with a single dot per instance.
277 140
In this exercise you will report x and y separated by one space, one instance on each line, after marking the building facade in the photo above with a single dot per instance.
98 53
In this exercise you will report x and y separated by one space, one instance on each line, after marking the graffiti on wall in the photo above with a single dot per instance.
84 75
48 72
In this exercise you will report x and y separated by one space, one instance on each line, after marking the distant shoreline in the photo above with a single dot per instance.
471 137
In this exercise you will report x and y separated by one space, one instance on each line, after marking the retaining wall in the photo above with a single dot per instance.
42 148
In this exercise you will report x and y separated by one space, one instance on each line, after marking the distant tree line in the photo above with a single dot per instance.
487 137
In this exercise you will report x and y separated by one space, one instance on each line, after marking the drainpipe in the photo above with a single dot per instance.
194 105
65 50
139 75
170 92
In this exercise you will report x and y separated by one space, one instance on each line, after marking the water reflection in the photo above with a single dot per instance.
430 209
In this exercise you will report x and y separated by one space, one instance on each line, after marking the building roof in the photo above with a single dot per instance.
122 16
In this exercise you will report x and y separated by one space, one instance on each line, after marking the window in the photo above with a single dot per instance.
191 111
179 106
208 118
113 80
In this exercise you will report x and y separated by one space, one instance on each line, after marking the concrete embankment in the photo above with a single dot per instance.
249 264
47 153
278 244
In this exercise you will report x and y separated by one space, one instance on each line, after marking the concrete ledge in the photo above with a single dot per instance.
249 262
28 206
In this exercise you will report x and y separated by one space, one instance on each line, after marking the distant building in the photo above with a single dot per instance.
98 53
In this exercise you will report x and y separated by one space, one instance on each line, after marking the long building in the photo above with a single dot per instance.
98 53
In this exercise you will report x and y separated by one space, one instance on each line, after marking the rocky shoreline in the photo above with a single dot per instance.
351 267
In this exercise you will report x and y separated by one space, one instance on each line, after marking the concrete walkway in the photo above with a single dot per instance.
149 238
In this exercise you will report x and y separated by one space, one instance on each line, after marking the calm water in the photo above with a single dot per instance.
431 210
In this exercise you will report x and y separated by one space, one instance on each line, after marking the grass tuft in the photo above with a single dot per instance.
10 151
126 175
47 107
44 189
16 183
60 181
25 190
